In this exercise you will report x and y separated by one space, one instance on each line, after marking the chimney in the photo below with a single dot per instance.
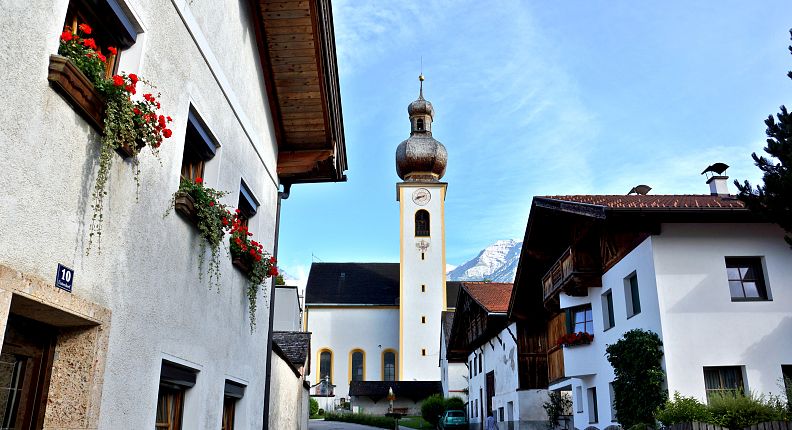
719 186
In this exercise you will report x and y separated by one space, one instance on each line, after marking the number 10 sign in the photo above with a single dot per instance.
64 278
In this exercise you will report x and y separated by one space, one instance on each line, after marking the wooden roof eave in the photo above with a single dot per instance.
297 53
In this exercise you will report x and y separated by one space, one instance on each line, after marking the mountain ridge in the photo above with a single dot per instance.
497 263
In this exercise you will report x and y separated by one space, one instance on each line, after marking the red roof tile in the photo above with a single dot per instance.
654 201
494 296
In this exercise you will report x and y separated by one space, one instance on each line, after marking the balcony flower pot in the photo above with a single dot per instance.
249 257
78 90
184 204
575 339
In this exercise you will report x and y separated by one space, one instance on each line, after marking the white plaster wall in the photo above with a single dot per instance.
344 329
147 271
702 326
453 376
416 272
286 402
588 362
287 310
367 406
500 356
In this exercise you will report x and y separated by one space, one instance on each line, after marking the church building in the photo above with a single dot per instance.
376 326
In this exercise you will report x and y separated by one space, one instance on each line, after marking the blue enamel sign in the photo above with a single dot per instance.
64 278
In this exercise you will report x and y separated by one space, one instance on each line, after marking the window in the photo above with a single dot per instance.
579 399
423 351
746 280
480 358
786 374
233 392
614 417
607 310
326 366
422 223
357 366
423 288
470 369
199 147
111 27
389 366
419 124
423 320
723 380
175 380
592 405
581 320
500 412
631 295
248 205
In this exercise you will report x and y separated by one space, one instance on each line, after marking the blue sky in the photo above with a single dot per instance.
536 98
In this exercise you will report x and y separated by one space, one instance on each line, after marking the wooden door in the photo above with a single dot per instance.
25 367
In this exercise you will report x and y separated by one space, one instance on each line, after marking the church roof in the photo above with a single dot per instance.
360 284
353 284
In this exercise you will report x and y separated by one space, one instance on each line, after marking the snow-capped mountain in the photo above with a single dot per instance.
497 262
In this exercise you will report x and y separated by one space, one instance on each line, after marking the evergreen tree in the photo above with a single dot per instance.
773 200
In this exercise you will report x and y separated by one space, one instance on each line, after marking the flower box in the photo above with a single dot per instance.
185 205
575 339
242 265
65 77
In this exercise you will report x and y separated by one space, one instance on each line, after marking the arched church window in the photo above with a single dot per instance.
389 366
419 124
326 366
422 223
358 368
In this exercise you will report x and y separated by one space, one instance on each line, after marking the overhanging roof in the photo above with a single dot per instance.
298 57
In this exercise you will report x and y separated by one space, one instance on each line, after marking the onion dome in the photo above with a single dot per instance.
421 157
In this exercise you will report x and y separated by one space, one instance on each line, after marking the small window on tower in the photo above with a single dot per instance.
423 320
423 288
422 223
419 124
423 351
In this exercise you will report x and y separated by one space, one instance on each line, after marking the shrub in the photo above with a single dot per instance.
556 406
432 407
314 406
638 386
321 411
454 403
683 409
365 419
736 410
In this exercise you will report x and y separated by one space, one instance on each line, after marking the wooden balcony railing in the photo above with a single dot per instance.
573 273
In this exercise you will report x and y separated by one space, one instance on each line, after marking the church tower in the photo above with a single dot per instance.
421 163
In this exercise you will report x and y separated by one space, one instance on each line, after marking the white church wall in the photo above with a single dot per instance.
421 310
344 329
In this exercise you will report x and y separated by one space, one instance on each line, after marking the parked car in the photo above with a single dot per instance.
453 419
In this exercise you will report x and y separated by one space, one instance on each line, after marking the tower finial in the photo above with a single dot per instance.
421 78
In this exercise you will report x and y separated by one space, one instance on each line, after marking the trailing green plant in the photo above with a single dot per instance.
365 419
212 220
252 254
736 410
683 410
432 407
638 385
131 124
556 406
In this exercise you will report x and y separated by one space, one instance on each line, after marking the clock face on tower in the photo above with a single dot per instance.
421 196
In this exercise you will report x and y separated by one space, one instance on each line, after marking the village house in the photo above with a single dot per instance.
701 271
138 334
503 380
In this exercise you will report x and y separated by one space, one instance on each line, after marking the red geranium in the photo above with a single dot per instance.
199 180
118 81
167 133
112 50
67 36
85 28
89 43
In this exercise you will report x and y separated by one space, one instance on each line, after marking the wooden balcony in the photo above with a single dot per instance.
573 273
555 364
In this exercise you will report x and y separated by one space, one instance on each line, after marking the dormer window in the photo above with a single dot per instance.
419 124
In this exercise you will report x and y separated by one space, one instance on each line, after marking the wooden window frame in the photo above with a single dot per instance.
232 392
572 318
175 380
755 264
200 146
738 372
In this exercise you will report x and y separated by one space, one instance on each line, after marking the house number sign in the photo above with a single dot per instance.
64 278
